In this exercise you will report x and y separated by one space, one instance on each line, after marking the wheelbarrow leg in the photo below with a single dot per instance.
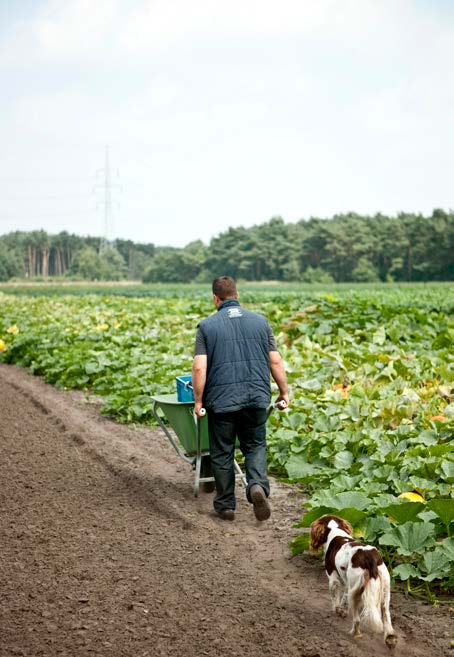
198 466
239 474
203 473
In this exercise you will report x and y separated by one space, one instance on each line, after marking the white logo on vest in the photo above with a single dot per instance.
234 312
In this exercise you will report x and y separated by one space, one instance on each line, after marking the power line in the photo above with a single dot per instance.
44 198
20 180
105 185
46 216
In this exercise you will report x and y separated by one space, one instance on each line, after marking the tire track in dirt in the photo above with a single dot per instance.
105 551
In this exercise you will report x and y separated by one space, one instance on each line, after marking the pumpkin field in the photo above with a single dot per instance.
369 432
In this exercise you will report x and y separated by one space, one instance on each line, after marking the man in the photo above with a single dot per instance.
235 352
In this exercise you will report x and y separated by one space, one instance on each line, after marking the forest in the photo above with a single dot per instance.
344 248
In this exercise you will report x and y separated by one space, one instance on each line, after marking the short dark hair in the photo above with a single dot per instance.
224 287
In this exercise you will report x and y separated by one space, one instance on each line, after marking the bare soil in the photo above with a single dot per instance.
105 551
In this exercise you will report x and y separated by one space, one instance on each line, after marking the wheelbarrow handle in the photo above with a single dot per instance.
280 405
202 412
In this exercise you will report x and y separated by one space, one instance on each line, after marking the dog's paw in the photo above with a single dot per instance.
391 641
342 612
355 633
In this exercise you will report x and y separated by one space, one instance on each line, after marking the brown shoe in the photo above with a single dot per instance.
262 509
227 514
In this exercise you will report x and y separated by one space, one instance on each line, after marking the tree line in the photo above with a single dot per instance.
38 255
347 247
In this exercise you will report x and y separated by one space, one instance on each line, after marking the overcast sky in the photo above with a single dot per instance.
222 114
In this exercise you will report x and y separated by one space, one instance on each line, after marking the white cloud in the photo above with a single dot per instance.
79 28
83 28
227 113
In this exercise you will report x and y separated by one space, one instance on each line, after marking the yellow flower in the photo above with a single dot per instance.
412 497
2 345
102 327
13 329
344 389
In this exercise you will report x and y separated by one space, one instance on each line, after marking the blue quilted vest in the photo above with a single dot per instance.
238 373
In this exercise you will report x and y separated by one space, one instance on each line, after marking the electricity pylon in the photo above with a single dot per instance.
107 185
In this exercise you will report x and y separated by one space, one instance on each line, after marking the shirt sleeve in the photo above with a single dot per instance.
272 346
200 348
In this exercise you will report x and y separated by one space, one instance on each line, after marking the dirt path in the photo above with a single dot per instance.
105 551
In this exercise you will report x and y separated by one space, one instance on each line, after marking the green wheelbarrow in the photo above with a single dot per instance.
192 442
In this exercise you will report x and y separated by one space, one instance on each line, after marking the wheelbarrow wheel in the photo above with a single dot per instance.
206 471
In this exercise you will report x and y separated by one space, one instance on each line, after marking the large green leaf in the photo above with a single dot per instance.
436 564
440 450
343 460
406 570
296 420
298 468
351 499
427 437
404 512
354 516
444 508
379 337
409 538
382 500
310 384
300 543
375 526
344 482
312 515
427 516
91 367
446 469
346 500
421 485
447 546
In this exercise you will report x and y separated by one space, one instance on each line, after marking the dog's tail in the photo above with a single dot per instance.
371 598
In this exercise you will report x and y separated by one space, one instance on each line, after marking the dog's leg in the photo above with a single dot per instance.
342 607
336 590
344 603
388 631
355 603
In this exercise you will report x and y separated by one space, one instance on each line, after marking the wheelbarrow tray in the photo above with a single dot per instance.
193 440
180 416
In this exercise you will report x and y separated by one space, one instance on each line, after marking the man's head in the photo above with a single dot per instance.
224 288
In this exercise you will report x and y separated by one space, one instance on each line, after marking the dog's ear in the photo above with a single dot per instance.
345 526
319 532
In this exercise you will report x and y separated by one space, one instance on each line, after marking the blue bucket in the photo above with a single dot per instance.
185 392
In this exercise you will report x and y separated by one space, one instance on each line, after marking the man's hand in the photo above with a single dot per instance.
282 398
198 407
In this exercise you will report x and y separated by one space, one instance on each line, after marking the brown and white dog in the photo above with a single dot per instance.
357 576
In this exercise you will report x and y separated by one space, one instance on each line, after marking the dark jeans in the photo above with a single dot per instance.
249 425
